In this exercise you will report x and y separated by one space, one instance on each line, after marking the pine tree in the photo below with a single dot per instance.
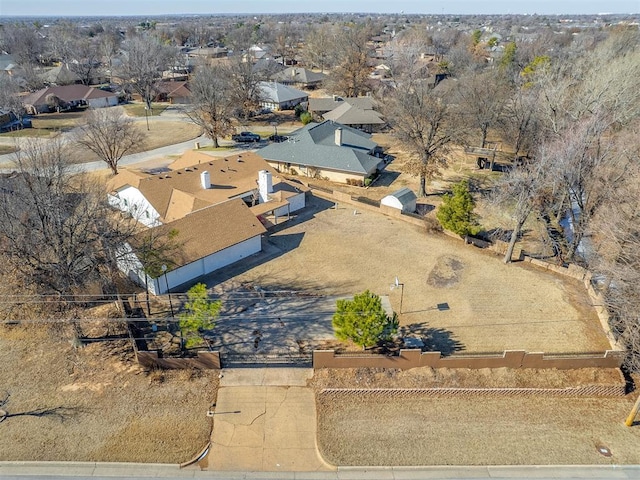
456 212
363 320
200 314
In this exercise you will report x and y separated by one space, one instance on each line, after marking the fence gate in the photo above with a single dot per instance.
272 358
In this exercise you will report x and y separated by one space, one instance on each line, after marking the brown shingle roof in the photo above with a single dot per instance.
179 191
68 93
210 230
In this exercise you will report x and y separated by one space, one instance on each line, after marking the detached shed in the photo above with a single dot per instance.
403 199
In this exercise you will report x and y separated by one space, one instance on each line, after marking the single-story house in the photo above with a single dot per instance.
403 199
174 92
60 75
299 76
356 117
196 181
209 239
70 96
326 150
8 65
218 206
321 105
276 96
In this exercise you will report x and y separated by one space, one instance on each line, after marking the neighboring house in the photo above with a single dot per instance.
403 199
218 206
320 106
204 54
356 112
267 67
70 96
7 64
276 96
174 92
299 76
60 75
326 150
356 117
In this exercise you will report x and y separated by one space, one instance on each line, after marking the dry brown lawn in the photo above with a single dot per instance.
493 306
476 431
161 133
114 411
473 430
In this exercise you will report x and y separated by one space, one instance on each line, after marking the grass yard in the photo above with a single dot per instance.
160 134
476 431
115 411
493 306
137 109
49 124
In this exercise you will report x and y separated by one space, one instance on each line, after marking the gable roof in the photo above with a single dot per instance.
209 230
326 104
315 146
7 62
298 75
278 93
68 93
175 193
60 75
348 114
404 195
175 89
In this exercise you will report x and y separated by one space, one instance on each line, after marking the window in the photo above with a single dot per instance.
146 213
126 204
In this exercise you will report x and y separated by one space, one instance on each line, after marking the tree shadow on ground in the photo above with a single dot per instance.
386 178
433 339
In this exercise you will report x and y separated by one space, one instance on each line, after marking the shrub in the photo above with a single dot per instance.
305 118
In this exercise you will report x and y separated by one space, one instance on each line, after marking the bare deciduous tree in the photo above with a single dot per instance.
350 77
145 60
420 117
57 230
211 101
110 134
481 99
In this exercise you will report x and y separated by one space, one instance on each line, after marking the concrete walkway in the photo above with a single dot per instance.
265 420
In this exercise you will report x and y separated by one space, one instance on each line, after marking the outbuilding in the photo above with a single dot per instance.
403 199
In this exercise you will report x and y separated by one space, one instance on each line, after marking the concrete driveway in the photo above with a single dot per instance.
265 420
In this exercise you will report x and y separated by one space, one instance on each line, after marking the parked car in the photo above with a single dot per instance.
245 137
278 138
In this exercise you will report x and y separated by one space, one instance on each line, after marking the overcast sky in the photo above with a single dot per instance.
159 7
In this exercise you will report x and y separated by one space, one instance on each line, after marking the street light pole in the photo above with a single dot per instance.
164 270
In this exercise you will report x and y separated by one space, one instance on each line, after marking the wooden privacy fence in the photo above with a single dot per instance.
412 358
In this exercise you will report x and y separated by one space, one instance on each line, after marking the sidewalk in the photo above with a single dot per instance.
265 420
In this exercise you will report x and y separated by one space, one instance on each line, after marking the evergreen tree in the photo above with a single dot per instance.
200 314
456 212
363 320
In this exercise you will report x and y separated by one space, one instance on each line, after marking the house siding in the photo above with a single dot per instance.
131 200
203 266
314 172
